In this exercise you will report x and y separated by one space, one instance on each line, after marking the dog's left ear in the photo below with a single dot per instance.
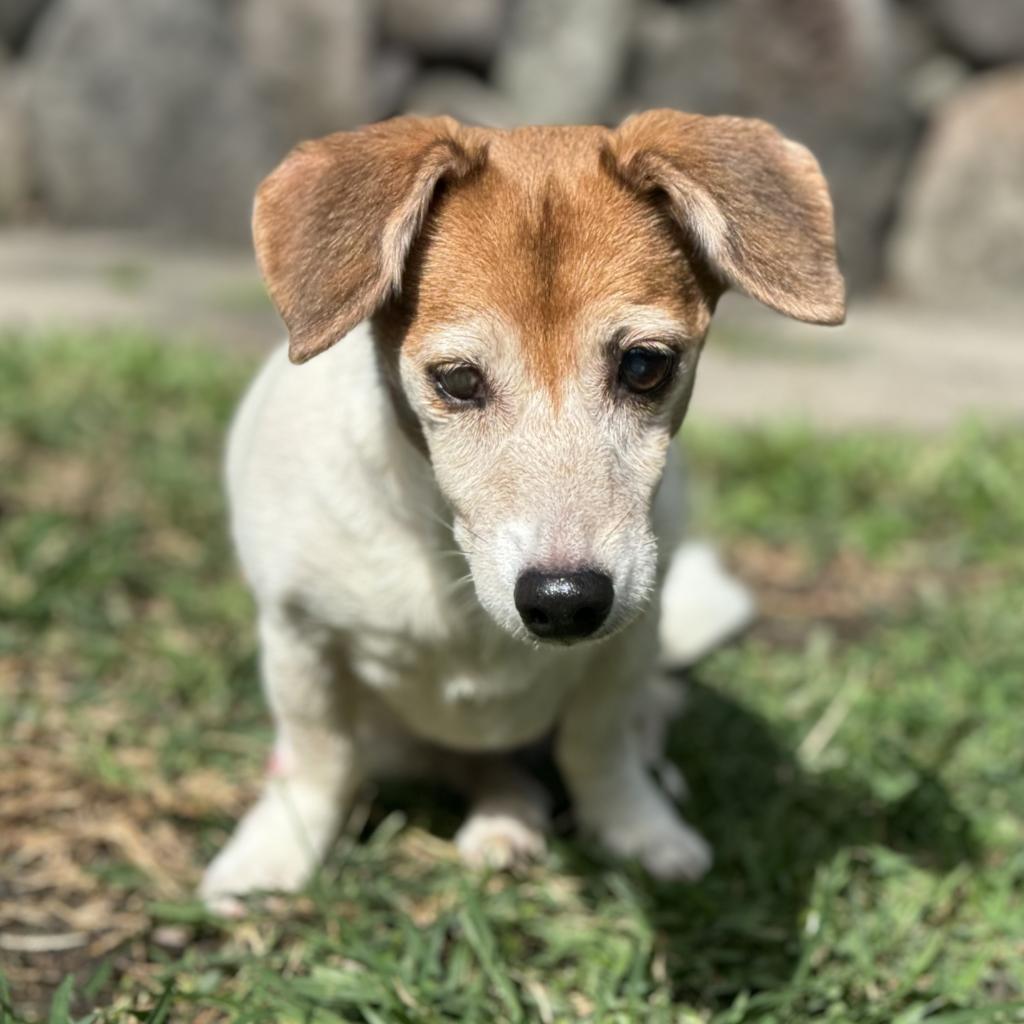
333 224
755 203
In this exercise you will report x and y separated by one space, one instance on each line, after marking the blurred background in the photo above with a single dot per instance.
856 759
133 132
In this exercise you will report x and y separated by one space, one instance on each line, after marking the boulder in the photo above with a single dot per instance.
564 62
312 63
986 31
17 18
464 96
824 71
143 113
670 66
559 63
394 71
15 171
460 30
960 232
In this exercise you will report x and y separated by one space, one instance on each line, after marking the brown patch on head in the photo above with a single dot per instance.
543 237
545 229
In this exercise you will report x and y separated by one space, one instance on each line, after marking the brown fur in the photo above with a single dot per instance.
539 238
777 237
333 224
537 226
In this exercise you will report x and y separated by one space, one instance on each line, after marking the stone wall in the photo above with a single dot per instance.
165 113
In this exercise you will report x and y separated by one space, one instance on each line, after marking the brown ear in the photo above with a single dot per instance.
333 224
755 203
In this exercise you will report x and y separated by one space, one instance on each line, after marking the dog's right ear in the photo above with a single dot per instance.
333 224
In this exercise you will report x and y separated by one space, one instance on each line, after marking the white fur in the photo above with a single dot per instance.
703 605
507 821
376 658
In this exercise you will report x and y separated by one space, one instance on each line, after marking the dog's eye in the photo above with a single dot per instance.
460 384
644 370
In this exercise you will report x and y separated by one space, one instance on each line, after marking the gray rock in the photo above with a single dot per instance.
17 18
463 96
142 113
394 71
564 62
960 234
465 30
986 31
929 72
15 166
671 65
311 61
824 71
559 62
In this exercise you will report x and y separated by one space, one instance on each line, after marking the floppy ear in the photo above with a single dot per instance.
333 224
755 203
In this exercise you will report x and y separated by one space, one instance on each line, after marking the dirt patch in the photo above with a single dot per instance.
74 848
849 593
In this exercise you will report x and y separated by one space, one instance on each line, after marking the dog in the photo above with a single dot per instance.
456 519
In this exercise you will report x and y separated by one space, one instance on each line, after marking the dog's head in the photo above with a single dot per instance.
540 300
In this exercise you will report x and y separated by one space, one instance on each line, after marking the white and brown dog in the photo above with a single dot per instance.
452 520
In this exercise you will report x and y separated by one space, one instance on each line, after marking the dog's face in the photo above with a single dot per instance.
542 296
550 325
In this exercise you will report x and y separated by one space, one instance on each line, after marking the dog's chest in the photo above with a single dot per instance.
491 694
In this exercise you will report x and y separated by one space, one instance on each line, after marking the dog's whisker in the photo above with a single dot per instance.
472 532
609 534
432 516
454 585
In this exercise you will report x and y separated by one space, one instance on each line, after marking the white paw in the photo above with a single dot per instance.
671 779
246 867
498 840
677 853
667 848
275 848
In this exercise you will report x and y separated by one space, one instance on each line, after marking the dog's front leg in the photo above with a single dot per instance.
312 775
603 763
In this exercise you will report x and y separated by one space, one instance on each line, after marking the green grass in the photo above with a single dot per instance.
857 761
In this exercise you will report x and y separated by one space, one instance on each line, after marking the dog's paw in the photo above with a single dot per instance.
668 849
500 841
243 869
270 851
679 853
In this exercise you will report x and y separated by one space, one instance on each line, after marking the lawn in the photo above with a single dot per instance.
857 759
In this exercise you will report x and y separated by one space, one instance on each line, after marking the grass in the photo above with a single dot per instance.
857 760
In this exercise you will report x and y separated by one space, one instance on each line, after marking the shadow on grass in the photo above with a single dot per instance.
773 826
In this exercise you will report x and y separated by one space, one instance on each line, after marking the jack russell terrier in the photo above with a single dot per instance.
457 518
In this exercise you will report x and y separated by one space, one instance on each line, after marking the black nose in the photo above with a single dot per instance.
564 605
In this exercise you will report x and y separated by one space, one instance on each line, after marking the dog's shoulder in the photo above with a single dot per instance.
312 463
